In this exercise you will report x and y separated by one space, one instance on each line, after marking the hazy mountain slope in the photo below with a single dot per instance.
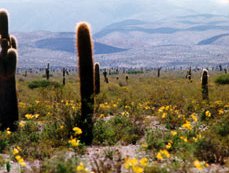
68 45
146 44
213 39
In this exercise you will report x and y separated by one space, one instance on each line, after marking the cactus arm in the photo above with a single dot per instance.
13 42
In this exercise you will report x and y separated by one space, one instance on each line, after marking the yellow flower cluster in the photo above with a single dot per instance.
19 159
31 116
8 132
184 138
125 113
109 106
208 114
145 106
22 124
197 138
70 103
77 131
187 125
73 141
104 106
81 168
220 112
165 111
21 105
162 154
200 165
135 165
194 117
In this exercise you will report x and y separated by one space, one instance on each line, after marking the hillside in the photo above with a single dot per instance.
197 40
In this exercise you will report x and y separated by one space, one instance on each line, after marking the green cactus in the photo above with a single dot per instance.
64 71
97 79
4 31
8 61
205 84
86 74
47 72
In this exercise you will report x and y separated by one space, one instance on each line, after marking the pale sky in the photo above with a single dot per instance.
61 15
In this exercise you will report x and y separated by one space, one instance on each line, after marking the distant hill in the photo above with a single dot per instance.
199 40
68 45
212 39
127 26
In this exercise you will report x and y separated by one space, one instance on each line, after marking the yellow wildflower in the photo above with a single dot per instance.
159 156
184 138
77 130
199 165
8 132
220 111
130 162
73 142
208 114
22 124
194 117
125 113
15 151
138 169
29 116
36 115
162 154
165 153
161 109
167 108
173 133
143 162
164 115
81 168
20 160
168 146
187 125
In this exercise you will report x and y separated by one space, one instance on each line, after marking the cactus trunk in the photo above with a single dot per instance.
86 74
205 85
8 61
97 79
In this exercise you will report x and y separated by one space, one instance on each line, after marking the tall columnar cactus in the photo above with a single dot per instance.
64 71
205 84
97 79
47 71
86 74
159 72
8 61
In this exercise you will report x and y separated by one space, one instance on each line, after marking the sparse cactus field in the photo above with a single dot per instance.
149 124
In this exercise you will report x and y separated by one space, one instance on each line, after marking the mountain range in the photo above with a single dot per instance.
197 40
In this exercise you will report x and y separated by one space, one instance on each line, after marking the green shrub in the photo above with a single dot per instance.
222 79
43 84
214 146
59 164
117 129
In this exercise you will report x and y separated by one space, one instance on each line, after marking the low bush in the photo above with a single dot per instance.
43 84
222 79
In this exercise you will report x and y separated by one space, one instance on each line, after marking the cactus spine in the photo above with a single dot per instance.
8 61
86 74
97 79
205 84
